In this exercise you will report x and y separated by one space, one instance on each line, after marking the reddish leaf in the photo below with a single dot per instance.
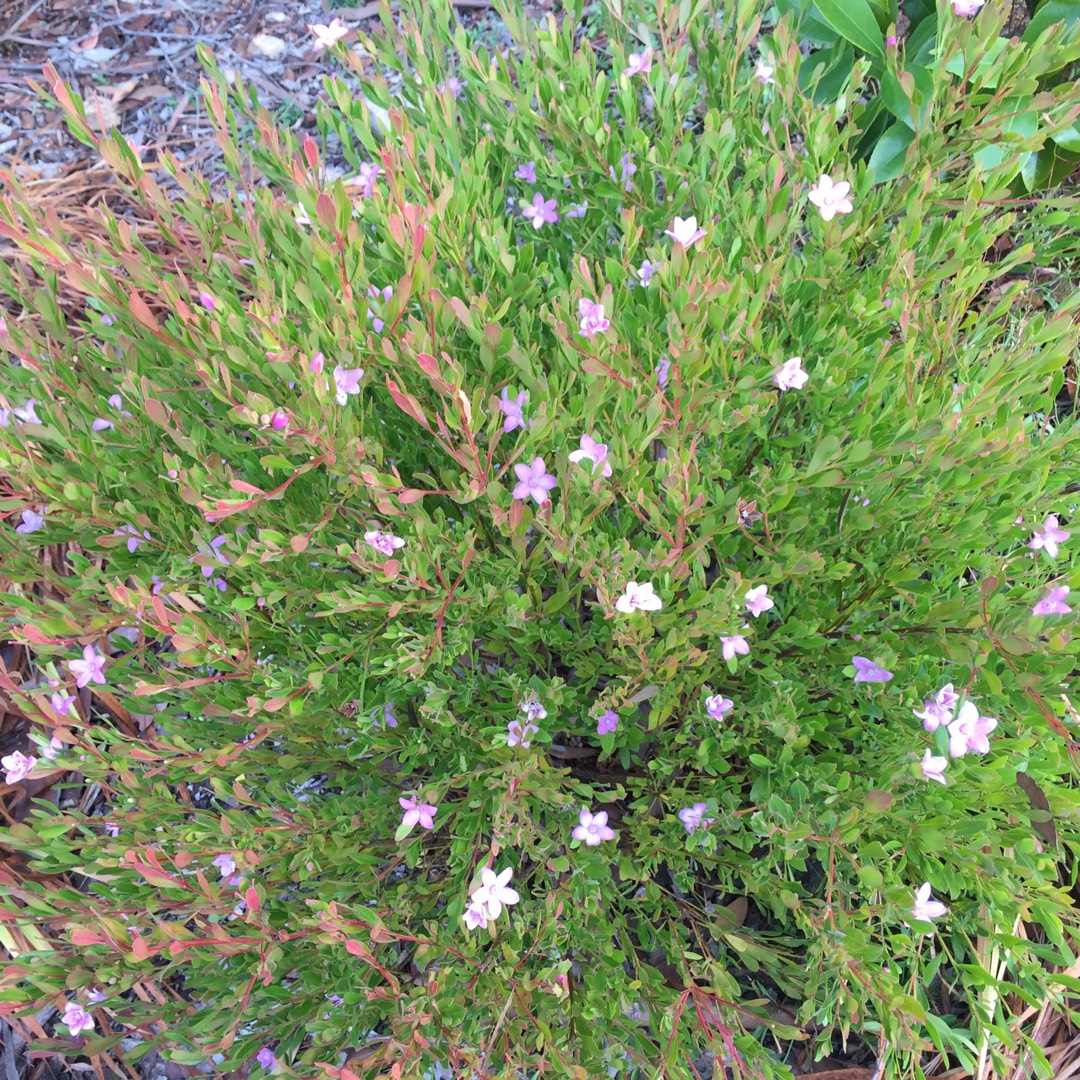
137 307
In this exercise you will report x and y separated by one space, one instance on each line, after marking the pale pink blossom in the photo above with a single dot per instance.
534 481
593 320
596 452
17 766
764 71
417 812
31 521
970 731
540 212
925 909
758 600
790 375
207 300
938 710
475 916
1053 603
533 709
61 702
91 668
226 864
76 1018
383 542
645 272
717 705
734 645
933 767
366 175
346 382
964 8
512 409
685 231
53 747
494 892
593 829
1048 537
516 735
327 35
693 817
831 198
638 597
639 63
379 296
316 364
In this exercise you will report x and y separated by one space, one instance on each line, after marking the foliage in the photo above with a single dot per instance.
275 683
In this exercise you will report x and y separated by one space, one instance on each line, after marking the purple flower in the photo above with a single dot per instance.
969 731
933 767
593 829
91 668
541 212
512 408
32 521
626 170
226 864
764 70
938 710
534 481
206 300
516 735
1048 537
26 414
595 452
1053 603
336 999
663 371
384 543
454 85
577 210
526 172
77 1018
717 705
101 424
645 272
315 364
693 817
112 829
17 766
365 178
108 320
417 812
347 381
279 420
389 719
732 645
134 537
96 997
593 320
868 671
265 1057
380 296
607 722
61 702
758 601
533 709
475 916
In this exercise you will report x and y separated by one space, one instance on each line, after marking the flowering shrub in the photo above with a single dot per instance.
531 615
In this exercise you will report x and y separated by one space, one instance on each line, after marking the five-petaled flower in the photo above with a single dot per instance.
516 735
733 645
365 179
925 908
764 71
607 722
1048 537
327 34
758 600
938 710
868 671
593 829
717 705
790 375
77 1018
384 543
526 172
693 817
61 702
226 864
31 521
494 892
638 596
685 231
265 1057
417 812
540 212
17 766
639 63
91 668
512 408
933 767
645 272
1053 603
593 451
533 709
969 731
347 381
593 320
831 198
534 481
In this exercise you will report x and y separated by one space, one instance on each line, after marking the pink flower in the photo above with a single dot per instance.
758 600
969 731
516 735
475 916
534 481
31 521
593 451
111 828
380 296
891 40
733 645
933 767
61 702
18 767
593 320
134 538
790 375
77 1018
1053 603
831 198
938 710
279 420
685 231
663 371
868 671
966 7
512 408
207 300
96 997
607 722
90 668
226 864
27 414
533 709
526 172
416 811
577 210
764 71
638 597
454 85
925 908
1048 538
645 272
327 35
365 179
593 829
717 705
493 893
639 63
265 1057
316 363
693 817
384 543
541 212
53 747
347 382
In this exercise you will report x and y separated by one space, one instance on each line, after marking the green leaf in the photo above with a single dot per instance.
1054 11
854 20
887 160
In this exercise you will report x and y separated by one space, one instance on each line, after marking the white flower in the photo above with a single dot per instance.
685 231
325 36
494 892
790 374
638 597
758 601
763 71
831 198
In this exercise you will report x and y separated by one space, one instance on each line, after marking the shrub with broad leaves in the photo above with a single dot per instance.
559 574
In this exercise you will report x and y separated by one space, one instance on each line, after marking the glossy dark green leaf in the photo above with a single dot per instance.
854 21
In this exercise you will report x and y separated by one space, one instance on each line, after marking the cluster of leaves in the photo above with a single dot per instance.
897 86
289 681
